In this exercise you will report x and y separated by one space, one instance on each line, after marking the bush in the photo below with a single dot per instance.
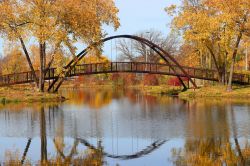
174 81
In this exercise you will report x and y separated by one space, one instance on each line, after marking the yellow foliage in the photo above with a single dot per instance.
212 26
53 21
56 24
209 152
14 62
94 59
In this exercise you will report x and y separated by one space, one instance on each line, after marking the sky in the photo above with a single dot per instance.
141 15
136 16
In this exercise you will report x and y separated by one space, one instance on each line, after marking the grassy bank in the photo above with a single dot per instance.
217 91
26 93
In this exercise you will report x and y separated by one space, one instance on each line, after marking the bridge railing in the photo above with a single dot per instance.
241 78
24 77
110 67
17 78
143 68
153 68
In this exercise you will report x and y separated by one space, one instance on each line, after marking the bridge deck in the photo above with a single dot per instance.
130 67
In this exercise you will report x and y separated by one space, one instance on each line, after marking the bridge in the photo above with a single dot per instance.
123 67
169 67
73 153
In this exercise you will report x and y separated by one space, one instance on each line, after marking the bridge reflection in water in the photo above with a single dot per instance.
95 153
128 128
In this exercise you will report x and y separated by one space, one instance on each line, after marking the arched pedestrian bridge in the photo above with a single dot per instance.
169 67
123 67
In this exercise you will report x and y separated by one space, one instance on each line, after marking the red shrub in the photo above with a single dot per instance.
115 77
174 81
129 79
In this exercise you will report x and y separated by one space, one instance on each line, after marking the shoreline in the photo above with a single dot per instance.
28 94
160 89
215 91
219 92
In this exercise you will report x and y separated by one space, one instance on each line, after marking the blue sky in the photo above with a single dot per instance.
140 15
136 16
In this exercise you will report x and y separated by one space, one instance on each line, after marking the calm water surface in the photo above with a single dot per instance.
121 127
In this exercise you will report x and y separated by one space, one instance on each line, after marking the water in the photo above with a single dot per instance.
121 127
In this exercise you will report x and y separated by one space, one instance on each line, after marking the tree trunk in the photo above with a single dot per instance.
218 69
42 68
223 76
29 61
44 56
43 136
229 87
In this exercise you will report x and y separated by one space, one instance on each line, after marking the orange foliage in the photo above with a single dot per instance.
124 78
150 80
14 62
188 56
129 79
94 59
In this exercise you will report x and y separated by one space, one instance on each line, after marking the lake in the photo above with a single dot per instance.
126 127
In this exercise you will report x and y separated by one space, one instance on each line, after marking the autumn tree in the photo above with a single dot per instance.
189 56
55 59
91 58
215 28
14 62
54 24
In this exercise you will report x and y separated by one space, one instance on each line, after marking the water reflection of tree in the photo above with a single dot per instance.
88 157
93 155
93 98
98 98
211 143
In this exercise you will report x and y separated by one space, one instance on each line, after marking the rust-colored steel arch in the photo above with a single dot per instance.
161 52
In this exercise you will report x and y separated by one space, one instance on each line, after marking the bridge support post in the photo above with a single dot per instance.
27 75
183 84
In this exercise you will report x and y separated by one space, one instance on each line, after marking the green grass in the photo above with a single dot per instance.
217 91
26 93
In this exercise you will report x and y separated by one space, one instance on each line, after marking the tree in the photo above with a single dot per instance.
55 24
55 59
14 62
214 27
136 51
187 56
